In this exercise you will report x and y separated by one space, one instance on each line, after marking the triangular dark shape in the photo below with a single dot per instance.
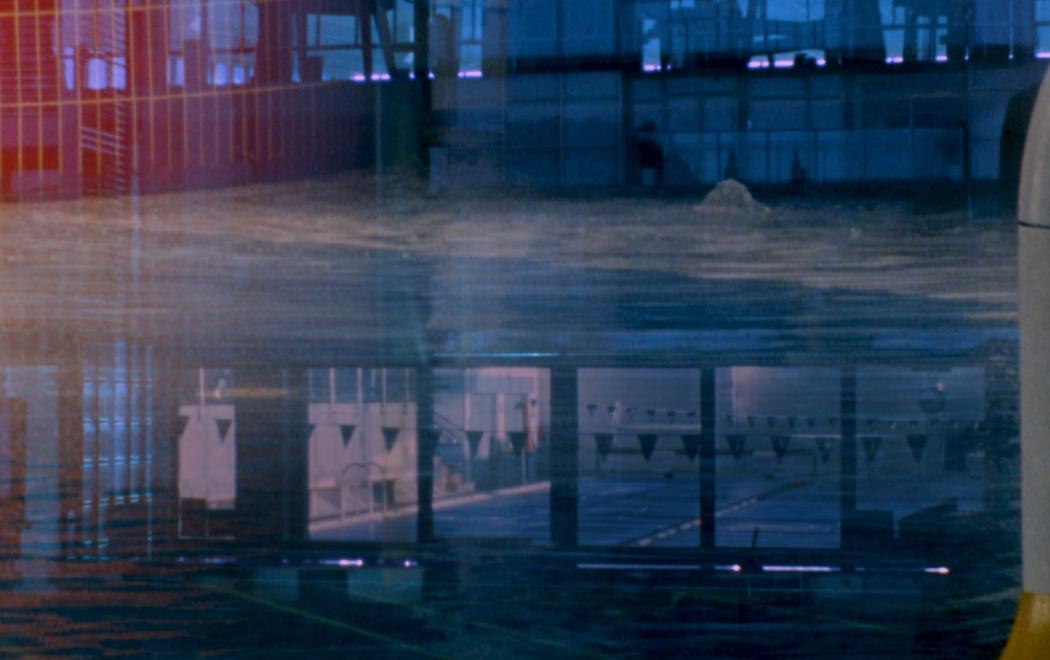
186 421
771 421
517 440
871 446
604 442
224 427
347 431
824 448
780 445
648 443
390 434
691 443
474 440
917 443
736 444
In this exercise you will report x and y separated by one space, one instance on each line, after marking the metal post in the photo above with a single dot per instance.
1031 633
848 453
564 458
707 458
421 67
295 455
425 454
71 445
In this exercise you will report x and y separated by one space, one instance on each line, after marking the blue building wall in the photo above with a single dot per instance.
856 92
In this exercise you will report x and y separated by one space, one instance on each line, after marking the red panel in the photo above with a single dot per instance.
94 93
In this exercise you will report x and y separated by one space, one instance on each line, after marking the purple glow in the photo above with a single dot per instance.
637 567
344 563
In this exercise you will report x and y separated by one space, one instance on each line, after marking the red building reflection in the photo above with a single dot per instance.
113 96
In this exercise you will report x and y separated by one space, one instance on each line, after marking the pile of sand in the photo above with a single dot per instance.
731 195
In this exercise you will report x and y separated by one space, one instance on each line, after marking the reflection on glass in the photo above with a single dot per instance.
778 469
491 467
639 478
208 458
362 454
117 429
923 441
13 434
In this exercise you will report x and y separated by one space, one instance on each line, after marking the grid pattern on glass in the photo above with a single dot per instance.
117 428
103 97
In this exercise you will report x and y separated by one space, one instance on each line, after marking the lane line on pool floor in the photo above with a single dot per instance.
691 523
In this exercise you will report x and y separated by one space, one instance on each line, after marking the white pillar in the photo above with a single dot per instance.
501 416
1031 633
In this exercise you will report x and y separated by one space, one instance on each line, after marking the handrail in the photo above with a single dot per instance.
445 424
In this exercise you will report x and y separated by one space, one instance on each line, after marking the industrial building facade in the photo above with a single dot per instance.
114 96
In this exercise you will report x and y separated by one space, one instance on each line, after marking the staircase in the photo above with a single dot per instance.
448 430
105 148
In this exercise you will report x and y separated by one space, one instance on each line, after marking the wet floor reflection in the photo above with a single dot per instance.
286 492
810 484
231 444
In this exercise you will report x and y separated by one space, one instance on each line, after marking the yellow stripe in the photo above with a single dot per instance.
1030 638
317 618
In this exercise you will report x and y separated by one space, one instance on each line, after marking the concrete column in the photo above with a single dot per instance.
1031 634
272 432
